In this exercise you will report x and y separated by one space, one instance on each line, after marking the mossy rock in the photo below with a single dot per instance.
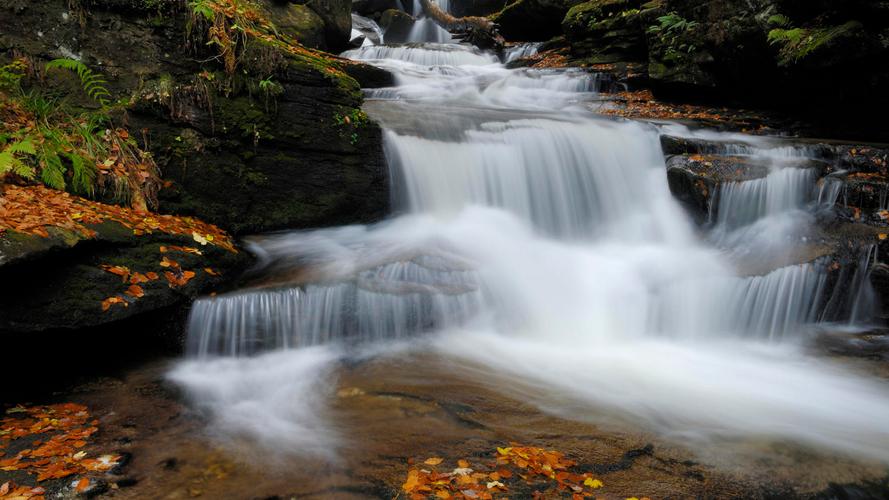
298 22
60 283
607 30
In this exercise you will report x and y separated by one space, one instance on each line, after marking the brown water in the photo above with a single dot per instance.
393 410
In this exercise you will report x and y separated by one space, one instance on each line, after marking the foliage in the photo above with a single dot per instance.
11 74
672 23
798 43
351 122
672 29
225 24
93 83
779 20
43 138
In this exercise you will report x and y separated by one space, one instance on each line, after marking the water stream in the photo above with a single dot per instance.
537 247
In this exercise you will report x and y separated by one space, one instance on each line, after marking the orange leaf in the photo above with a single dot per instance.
135 291
82 485
433 461
107 303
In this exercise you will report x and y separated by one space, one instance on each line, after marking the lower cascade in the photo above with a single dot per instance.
538 241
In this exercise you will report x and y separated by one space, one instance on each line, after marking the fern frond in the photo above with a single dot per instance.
53 172
93 83
83 177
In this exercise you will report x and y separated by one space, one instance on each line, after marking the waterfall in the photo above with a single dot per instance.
520 51
535 241
742 203
368 28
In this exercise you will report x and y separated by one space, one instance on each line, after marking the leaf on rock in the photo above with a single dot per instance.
107 303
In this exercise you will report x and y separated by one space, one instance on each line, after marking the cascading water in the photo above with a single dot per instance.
542 244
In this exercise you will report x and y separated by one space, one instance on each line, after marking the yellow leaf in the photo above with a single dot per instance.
503 451
592 483
200 239
883 236
433 461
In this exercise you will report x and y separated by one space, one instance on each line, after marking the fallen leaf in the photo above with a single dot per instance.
107 303
592 483
135 291
433 461
82 485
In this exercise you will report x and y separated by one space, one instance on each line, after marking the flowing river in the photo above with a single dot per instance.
536 249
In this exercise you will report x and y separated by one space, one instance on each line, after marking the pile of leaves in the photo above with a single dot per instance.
642 104
57 434
33 209
537 467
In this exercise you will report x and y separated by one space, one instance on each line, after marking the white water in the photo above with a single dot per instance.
368 28
520 51
543 250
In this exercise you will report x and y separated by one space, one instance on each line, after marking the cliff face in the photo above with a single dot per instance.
278 140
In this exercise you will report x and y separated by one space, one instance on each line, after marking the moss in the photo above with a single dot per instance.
244 117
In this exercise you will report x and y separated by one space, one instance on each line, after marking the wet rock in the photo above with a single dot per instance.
483 8
532 20
607 31
337 17
396 24
369 77
299 22
374 8
60 284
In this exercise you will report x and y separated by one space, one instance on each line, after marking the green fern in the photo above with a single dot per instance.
93 83
10 158
779 20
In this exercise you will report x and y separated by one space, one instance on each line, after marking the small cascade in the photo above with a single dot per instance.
520 51
427 30
562 176
368 28
773 306
389 302
742 203
828 192
426 54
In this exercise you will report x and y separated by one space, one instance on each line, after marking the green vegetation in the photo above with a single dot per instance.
798 43
672 29
47 139
93 83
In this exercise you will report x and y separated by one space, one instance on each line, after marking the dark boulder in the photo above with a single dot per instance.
298 22
60 282
396 25
532 20
374 8
607 31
